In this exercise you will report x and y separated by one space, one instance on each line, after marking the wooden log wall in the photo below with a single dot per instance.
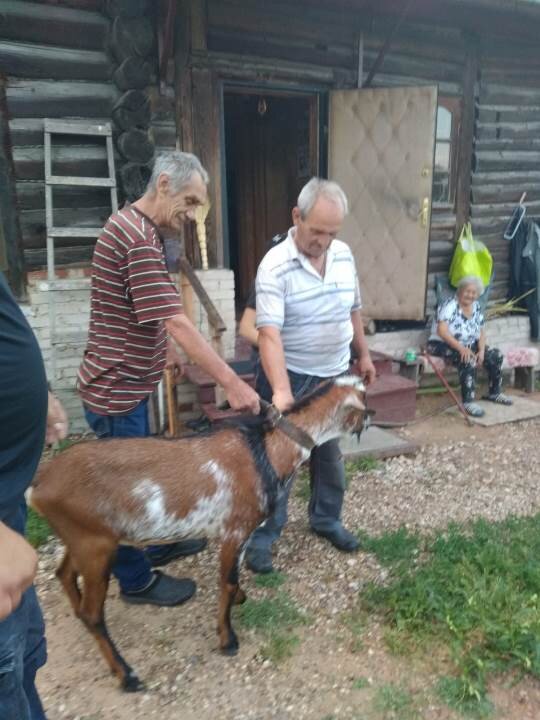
291 46
57 67
506 159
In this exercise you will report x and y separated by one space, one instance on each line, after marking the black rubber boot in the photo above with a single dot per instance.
163 590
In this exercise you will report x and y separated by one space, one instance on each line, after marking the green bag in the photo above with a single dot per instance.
471 257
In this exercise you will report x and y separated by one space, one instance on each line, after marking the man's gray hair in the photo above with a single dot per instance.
316 188
471 280
179 166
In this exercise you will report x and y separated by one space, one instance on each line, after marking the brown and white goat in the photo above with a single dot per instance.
97 495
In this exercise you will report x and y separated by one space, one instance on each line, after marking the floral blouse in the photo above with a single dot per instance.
465 329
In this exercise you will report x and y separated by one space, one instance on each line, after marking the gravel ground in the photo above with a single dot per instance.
458 474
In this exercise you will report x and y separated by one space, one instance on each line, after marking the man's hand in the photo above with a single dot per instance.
173 362
366 369
57 422
241 396
18 565
282 400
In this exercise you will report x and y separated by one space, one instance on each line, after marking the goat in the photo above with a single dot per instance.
97 495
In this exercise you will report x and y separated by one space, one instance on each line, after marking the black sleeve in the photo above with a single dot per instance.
251 301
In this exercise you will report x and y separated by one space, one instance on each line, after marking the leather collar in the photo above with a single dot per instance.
279 421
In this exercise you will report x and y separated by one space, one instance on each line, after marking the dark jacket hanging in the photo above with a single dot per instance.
525 270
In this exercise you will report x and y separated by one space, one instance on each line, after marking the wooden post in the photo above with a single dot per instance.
466 137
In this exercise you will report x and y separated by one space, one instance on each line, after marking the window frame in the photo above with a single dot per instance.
454 106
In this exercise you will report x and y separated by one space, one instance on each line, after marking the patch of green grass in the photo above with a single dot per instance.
38 530
455 693
393 547
361 465
271 613
476 592
303 489
360 683
270 580
279 647
394 702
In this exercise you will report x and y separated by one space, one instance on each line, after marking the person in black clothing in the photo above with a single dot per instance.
29 415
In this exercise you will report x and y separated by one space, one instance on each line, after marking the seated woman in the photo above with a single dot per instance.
458 336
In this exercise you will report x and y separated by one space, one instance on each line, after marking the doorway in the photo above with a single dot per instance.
271 151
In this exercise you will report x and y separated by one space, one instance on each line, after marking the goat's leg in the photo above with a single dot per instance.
96 573
231 593
67 575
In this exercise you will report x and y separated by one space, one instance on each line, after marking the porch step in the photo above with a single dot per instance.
205 384
393 398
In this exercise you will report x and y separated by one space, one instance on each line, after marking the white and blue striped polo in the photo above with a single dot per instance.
313 313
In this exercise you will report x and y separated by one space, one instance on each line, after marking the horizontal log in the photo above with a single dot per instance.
508 130
131 36
31 196
125 8
492 94
46 61
502 210
82 161
490 160
29 131
382 79
132 74
41 23
267 45
46 98
34 227
136 146
132 109
511 194
516 144
395 64
508 113
438 248
439 264
512 177
72 255
164 135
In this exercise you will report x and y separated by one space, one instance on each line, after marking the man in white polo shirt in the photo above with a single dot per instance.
308 314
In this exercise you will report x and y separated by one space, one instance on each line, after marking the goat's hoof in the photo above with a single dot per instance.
231 648
240 597
131 683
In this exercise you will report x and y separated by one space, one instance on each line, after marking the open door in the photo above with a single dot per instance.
381 147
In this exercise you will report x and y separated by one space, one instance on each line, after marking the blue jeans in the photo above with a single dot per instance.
327 475
132 567
23 649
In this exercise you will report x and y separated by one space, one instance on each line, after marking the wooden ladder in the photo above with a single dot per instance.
70 127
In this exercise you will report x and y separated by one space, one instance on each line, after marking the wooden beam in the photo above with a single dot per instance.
466 137
384 49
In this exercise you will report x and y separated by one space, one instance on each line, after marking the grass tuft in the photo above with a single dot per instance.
362 465
38 530
394 702
271 613
393 547
279 647
270 580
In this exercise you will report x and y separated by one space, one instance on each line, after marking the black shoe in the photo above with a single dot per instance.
177 550
259 561
163 590
340 538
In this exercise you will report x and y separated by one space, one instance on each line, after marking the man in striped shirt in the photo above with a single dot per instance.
135 307
308 314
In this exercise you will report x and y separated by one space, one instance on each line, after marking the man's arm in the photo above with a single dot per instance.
18 565
273 362
364 364
239 394
247 328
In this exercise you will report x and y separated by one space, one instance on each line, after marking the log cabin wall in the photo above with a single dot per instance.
56 66
80 59
317 47
506 159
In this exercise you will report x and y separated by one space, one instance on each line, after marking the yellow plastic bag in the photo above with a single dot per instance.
471 257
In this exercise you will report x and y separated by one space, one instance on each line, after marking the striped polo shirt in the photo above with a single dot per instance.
132 294
313 313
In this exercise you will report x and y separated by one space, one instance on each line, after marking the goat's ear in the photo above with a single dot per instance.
353 401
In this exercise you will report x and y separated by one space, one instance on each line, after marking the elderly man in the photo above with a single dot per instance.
308 314
134 306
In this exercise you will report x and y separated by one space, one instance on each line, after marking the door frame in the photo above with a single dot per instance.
316 135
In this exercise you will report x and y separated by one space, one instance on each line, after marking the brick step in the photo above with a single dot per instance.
393 398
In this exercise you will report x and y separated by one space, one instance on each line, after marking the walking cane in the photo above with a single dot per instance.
171 405
451 392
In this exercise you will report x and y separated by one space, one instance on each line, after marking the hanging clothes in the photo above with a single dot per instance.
525 270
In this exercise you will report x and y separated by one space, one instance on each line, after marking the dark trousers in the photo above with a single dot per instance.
493 361
23 649
132 567
327 475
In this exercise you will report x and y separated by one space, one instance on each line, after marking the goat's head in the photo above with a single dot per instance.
351 408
